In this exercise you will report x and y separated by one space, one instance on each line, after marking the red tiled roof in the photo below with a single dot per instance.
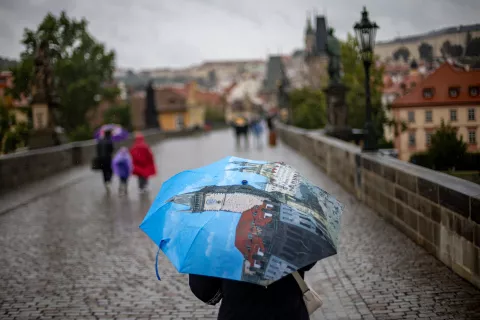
210 98
410 81
440 81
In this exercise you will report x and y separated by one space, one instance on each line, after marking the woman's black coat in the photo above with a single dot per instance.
282 300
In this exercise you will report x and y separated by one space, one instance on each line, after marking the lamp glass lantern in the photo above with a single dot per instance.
366 31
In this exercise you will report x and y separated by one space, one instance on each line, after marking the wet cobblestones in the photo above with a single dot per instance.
78 254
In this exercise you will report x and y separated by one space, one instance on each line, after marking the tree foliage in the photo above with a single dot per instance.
446 149
119 114
6 64
214 115
308 108
425 51
354 79
13 135
402 53
81 66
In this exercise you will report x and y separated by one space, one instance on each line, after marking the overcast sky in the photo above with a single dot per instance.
176 33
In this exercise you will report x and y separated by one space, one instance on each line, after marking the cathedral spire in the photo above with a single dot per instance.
309 28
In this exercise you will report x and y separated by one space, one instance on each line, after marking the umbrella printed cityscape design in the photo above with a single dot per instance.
282 222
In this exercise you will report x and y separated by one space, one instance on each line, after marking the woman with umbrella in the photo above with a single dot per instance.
106 136
282 300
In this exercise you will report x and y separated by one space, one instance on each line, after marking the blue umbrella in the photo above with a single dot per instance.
244 220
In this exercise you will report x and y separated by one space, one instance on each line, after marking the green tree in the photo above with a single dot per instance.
446 149
81 66
119 114
214 115
308 108
354 79
5 120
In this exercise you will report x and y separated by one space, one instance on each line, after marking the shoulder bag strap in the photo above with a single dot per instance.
301 283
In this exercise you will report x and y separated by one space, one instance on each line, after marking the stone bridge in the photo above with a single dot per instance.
70 251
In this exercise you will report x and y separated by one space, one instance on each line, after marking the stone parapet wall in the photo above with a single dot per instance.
19 169
439 212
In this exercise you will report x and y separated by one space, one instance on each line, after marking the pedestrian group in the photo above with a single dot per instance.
137 161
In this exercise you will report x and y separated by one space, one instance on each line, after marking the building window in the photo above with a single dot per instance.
453 115
411 139
474 91
411 116
180 121
453 92
428 116
171 101
428 138
471 114
428 93
3 80
472 137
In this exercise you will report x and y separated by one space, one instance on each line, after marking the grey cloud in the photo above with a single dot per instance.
154 33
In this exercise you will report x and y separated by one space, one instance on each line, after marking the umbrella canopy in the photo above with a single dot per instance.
244 220
118 132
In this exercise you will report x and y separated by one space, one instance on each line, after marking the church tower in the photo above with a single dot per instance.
309 39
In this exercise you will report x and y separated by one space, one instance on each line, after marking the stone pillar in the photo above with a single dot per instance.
44 102
337 112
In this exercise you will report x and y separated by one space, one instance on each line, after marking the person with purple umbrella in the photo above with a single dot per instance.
122 166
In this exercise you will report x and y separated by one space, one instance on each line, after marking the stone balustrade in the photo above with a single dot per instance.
439 212
19 169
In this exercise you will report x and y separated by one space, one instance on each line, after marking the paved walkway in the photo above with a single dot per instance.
67 250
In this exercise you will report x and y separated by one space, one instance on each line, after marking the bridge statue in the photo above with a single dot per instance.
334 53
337 110
44 102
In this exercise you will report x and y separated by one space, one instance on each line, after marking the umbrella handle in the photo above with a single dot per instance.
163 242
156 264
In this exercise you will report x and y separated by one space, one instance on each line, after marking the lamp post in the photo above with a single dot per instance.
365 31
282 99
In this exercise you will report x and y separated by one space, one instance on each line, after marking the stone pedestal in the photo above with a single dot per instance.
43 134
42 138
337 112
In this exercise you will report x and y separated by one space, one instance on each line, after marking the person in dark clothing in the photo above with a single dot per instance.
270 124
241 129
104 155
282 300
272 136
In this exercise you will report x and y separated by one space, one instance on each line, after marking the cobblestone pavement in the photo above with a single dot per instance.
78 254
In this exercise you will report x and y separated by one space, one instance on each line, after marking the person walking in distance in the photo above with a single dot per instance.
123 167
104 156
241 129
272 136
143 161
257 129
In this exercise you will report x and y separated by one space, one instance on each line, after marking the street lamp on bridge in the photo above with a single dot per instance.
365 31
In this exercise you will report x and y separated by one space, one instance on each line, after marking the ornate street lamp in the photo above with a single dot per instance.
366 31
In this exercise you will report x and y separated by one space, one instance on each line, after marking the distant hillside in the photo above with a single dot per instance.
5 64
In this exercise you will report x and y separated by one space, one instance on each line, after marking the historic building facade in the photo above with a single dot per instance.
453 42
450 94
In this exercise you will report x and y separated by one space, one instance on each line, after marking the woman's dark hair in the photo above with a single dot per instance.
108 134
